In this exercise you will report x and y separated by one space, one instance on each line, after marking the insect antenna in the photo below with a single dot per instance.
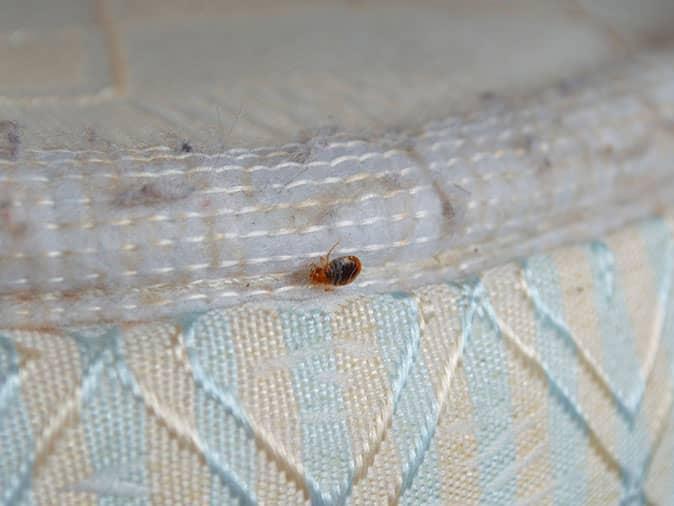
327 257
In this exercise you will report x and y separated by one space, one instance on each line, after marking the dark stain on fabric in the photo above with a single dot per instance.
8 221
91 135
10 140
567 87
453 198
153 193
487 96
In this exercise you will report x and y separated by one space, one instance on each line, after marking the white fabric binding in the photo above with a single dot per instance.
135 235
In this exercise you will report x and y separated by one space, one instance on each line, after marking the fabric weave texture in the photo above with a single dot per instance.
545 381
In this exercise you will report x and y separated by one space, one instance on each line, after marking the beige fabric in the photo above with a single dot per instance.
119 74
435 140
494 390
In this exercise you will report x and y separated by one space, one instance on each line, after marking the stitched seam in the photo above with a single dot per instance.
419 217
510 175
212 297
125 222
642 76
231 190
307 203
476 140
472 204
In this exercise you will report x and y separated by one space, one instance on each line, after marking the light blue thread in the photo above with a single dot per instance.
565 436
658 238
87 386
618 336
113 426
564 396
112 441
634 497
415 457
605 271
220 432
15 483
128 380
222 396
324 459
10 373
556 322
659 245
487 378
409 355
619 360
654 230
398 321
661 253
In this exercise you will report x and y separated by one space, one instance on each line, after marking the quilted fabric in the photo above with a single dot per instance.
544 381
127 235
169 170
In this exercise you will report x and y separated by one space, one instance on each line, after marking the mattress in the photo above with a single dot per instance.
171 172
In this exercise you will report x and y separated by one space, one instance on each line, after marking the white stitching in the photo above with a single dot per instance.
256 261
210 169
217 190
471 232
124 222
249 293
472 204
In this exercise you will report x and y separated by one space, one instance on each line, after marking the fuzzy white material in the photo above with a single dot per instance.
151 232
121 200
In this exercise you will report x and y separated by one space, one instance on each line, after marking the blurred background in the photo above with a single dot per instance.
88 74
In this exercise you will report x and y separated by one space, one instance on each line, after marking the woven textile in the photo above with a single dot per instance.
545 381
127 235
170 170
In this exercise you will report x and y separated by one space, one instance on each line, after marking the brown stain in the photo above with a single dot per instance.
569 86
8 223
487 96
91 135
150 296
524 142
299 154
213 251
10 140
26 353
452 199
153 193
247 183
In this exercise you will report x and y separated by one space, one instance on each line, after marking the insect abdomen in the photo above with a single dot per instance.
343 270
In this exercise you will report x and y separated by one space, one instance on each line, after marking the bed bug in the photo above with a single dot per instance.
337 272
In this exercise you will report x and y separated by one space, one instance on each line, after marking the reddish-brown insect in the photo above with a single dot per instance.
338 272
